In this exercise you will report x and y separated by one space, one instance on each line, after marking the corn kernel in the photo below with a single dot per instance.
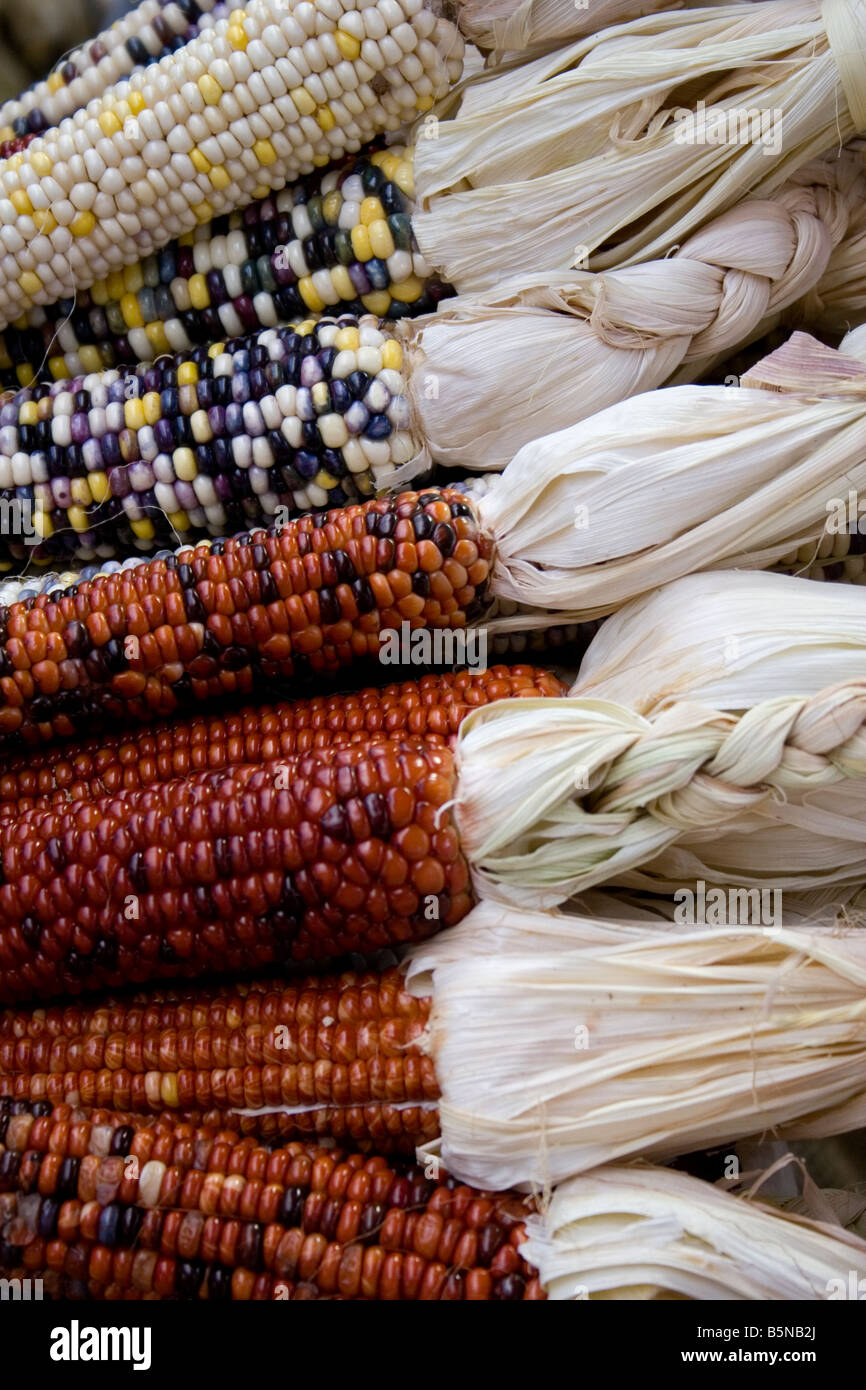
79 489
348 45
183 460
377 302
55 82
198 291
77 518
108 123
41 163
210 89
331 204
408 290
265 152
135 102
116 287
133 414
320 160
25 373
404 177
390 164
303 101
237 37
381 239
325 118
219 177
187 374
424 103
57 367
348 339
261 190
156 336
42 524
83 224
143 529
133 277
203 212
310 295
392 355
28 413
100 487
30 282
200 161
20 202
215 349
88 355
45 222
342 282
181 522
99 292
150 404
130 311
361 242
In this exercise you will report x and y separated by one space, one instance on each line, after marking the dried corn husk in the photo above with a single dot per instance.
640 1232
679 480
504 27
571 344
563 1042
590 153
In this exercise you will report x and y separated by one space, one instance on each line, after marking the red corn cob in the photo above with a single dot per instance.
343 850
110 1207
330 1055
308 598
432 708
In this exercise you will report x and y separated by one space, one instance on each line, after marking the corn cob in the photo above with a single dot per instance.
308 598
172 147
208 440
153 28
114 1204
341 851
431 708
335 1056
340 238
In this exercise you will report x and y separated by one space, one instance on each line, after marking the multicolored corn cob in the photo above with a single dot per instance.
340 240
307 598
205 441
152 29
328 1056
277 90
431 708
345 850
110 1207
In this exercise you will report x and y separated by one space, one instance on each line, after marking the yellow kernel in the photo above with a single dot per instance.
121 111
303 101
133 277
57 367
20 202
151 407
30 282
201 162
326 118
203 212
210 89
188 239
237 16
131 312
236 36
265 152
25 373
133 413
424 103
325 480
79 490
181 522
305 327
381 239
45 222
99 292
390 164
261 190
28 413
135 102
347 340
342 282
55 82
377 302
371 211
331 204
156 336
116 287
143 529
361 242
310 295
392 355
108 123
408 290
41 163
183 460
219 177
77 518
100 488
6 133
348 45
89 357
215 349
198 291
83 224
42 523
320 160
404 177
187 374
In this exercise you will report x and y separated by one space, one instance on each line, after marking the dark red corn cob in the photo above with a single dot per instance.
431 708
336 1056
339 851
111 1207
213 621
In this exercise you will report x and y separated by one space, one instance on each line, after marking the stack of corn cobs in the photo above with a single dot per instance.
347 341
